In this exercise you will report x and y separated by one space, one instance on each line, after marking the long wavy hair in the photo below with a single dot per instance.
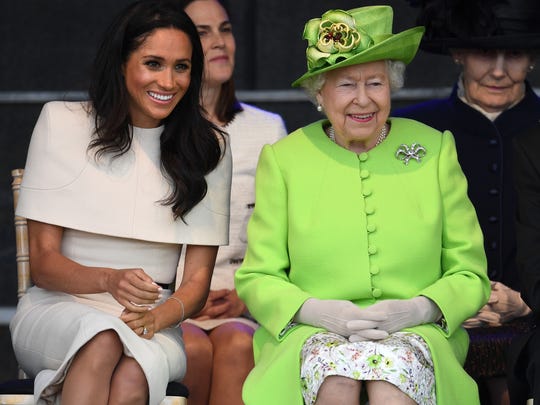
191 146
227 105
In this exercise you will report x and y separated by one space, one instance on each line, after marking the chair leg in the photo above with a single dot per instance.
174 401
13 399
16 399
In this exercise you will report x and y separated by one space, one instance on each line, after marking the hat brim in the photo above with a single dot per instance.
402 46
444 45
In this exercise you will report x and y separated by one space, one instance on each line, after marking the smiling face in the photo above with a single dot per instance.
356 100
217 39
493 79
157 75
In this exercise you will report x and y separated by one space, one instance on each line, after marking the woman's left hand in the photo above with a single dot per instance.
403 314
142 323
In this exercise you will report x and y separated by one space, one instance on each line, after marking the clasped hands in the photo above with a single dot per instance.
375 322
137 293
223 303
503 306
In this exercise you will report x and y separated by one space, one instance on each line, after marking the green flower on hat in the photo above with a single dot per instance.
361 35
332 38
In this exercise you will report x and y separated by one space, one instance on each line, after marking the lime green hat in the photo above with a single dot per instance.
343 38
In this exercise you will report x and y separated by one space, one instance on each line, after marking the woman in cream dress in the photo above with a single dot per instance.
113 189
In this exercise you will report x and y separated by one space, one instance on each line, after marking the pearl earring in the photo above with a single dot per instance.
457 61
319 108
531 68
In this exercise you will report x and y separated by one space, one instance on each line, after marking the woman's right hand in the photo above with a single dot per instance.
133 289
51 270
401 314
334 315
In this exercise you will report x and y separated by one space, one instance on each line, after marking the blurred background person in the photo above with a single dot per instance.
494 44
219 338
524 368
364 254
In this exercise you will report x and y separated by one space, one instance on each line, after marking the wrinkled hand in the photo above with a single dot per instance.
221 304
485 317
503 306
401 314
333 316
507 302
133 289
142 323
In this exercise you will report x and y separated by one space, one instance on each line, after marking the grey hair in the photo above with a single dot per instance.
396 75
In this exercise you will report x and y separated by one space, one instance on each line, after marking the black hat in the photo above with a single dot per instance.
481 24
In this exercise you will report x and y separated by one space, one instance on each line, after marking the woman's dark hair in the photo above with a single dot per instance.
227 105
190 144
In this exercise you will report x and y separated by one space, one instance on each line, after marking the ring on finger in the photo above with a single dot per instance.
144 330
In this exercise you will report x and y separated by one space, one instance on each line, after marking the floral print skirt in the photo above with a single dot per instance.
403 359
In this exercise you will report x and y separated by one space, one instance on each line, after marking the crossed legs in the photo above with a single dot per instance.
101 374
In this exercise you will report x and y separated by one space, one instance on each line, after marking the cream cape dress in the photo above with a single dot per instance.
112 217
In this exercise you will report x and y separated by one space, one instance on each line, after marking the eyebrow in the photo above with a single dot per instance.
161 58
207 27
365 77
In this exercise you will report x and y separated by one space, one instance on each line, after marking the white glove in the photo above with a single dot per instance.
401 314
333 316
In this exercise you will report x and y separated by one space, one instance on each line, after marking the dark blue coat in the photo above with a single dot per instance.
485 153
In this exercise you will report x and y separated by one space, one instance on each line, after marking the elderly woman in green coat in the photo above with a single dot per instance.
364 252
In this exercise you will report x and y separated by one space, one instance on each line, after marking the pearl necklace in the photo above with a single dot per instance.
382 135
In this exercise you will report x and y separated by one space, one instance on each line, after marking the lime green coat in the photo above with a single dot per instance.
331 224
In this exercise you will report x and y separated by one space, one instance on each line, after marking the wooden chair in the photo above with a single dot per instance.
20 391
